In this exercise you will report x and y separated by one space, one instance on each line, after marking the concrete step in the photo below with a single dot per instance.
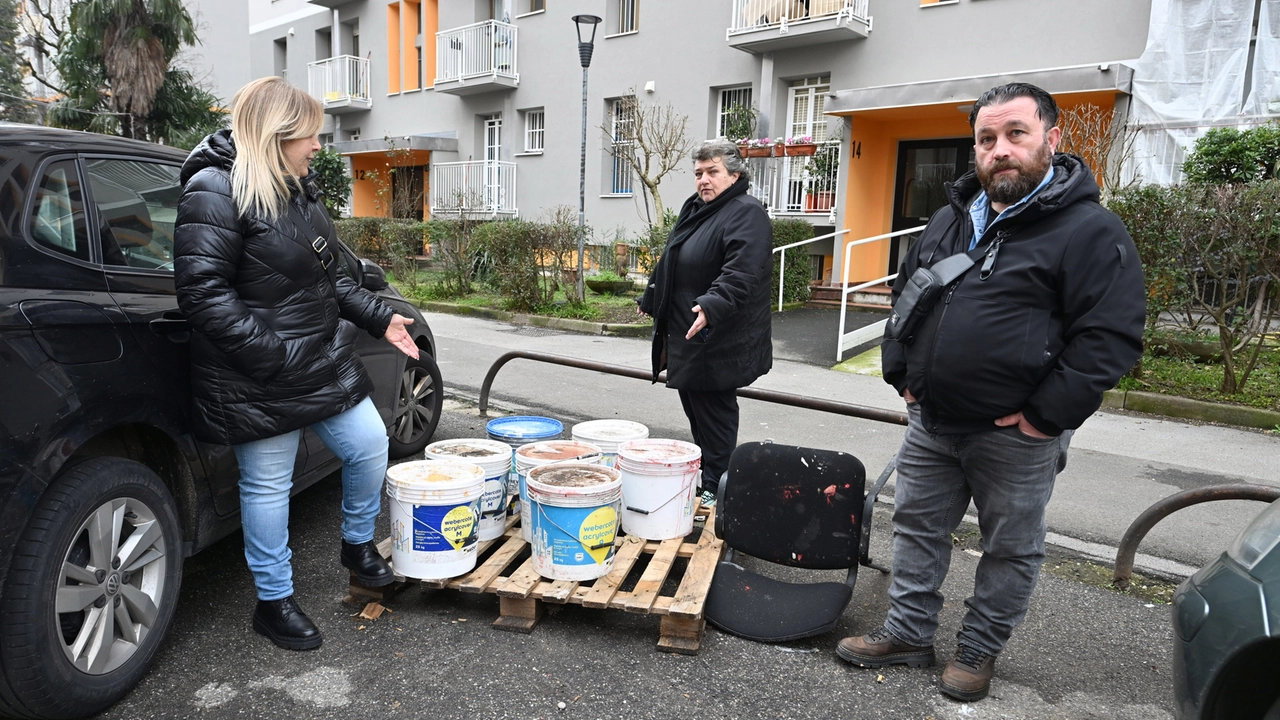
829 296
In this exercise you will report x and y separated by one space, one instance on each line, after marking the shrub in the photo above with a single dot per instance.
1214 254
796 284
454 243
393 244
527 257
332 179
1229 155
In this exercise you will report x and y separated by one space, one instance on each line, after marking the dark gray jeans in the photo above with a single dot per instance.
1009 477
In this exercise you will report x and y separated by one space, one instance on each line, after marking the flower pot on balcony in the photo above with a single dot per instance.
800 149
820 202
752 151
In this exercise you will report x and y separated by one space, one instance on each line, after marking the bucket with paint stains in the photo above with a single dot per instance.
608 434
573 509
518 430
435 516
495 459
538 454
659 483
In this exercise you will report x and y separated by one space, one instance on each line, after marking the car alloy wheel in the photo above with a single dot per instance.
418 405
113 575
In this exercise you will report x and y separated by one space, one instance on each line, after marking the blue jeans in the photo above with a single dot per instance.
1009 476
359 439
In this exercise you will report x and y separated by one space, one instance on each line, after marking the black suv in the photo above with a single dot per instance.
103 489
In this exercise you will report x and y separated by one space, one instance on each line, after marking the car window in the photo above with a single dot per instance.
137 203
57 220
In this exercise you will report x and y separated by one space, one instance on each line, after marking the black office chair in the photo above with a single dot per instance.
793 506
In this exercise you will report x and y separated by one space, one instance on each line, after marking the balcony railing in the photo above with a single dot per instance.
476 58
766 25
753 14
476 188
798 186
341 83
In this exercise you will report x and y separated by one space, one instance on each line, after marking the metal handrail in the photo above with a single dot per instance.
782 259
781 398
845 290
1138 529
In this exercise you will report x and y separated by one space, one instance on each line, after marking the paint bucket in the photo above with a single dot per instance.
574 510
659 484
537 454
518 430
608 434
435 516
494 459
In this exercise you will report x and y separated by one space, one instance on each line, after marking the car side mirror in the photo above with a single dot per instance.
372 276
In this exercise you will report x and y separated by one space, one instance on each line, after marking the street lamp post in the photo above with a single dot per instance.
585 48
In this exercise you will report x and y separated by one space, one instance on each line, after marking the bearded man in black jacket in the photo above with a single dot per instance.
1010 359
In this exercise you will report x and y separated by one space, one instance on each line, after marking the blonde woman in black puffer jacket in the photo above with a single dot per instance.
274 329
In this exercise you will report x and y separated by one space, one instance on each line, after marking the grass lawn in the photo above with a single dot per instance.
1193 378
616 309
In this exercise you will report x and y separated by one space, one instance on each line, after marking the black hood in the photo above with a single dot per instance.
1072 182
219 151
216 151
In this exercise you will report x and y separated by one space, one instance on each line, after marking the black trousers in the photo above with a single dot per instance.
713 420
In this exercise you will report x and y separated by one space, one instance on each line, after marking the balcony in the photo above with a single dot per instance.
760 26
476 59
799 187
476 189
340 83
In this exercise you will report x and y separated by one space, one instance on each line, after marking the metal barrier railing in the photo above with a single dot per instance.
773 396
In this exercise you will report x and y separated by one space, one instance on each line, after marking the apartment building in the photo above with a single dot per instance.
481 99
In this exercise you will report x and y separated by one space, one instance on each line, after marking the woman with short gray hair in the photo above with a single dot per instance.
709 297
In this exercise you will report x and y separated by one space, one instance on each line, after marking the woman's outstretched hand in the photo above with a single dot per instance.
398 336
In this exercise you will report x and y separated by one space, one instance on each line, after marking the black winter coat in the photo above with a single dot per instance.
272 342
1057 323
718 257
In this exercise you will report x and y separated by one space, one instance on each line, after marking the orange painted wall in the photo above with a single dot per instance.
393 47
409 52
430 26
871 179
364 194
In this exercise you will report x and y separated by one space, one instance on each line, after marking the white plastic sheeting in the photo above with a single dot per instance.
1191 78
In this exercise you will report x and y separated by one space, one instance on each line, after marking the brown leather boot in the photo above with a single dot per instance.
968 676
882 648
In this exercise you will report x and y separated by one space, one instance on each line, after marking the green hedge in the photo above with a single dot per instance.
796 286
393 244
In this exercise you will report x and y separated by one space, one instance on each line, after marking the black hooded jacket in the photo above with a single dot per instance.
718 257
272 343
1058 321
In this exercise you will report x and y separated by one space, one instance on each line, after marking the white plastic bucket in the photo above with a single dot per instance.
574 510
494 458
608 434
659 484
435 515
532 455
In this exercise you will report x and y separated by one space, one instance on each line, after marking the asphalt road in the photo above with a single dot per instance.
1083 652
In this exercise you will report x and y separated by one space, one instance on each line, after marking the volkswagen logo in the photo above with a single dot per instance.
113 583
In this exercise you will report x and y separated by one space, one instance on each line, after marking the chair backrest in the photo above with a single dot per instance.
793 505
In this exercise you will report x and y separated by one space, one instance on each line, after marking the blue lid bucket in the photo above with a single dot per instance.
519 430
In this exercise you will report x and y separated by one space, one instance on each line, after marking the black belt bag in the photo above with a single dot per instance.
926 284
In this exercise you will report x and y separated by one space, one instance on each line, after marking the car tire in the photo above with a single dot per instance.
419 400
101 554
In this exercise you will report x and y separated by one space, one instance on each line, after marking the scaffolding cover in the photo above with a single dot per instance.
1191 77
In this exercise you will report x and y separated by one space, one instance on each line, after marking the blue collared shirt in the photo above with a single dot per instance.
978 210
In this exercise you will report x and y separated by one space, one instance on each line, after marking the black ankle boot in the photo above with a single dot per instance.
370 568
284 624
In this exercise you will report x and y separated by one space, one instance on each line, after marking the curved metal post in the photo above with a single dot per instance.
1128 547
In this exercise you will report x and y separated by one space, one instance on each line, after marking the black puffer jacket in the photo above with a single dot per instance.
1058 321
718 257
273 345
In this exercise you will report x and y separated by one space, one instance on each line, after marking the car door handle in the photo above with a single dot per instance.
168 326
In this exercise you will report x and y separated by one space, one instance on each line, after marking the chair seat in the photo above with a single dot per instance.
759 608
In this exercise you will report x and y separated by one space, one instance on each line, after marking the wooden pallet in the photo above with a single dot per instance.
504 568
